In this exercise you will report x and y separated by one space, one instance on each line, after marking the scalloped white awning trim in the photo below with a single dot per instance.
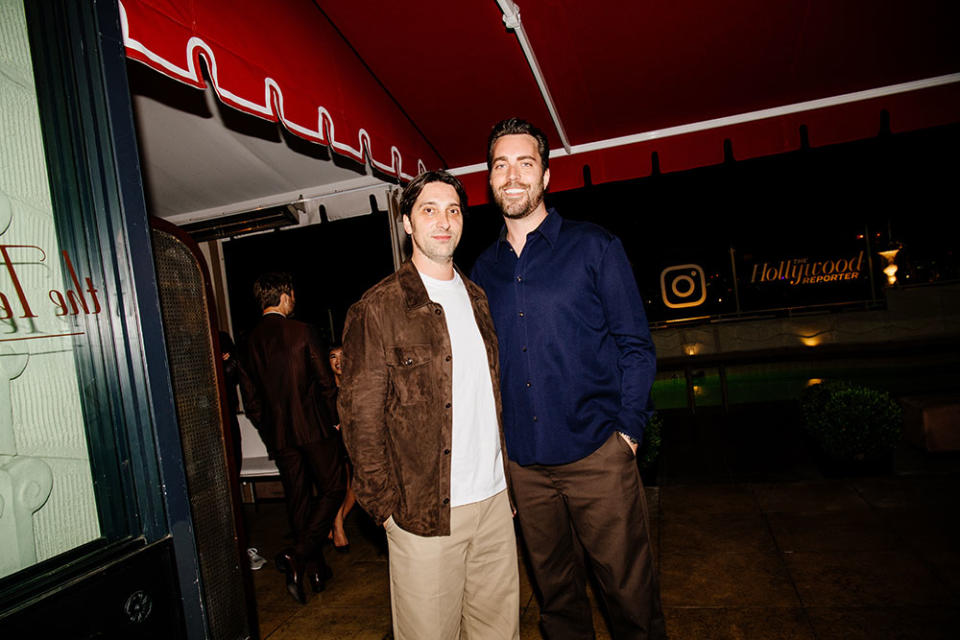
272 107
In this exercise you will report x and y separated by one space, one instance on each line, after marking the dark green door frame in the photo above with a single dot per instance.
98 201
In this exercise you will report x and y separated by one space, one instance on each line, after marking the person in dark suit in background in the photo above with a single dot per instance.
289 395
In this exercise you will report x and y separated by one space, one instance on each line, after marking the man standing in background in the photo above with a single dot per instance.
577 365
288 394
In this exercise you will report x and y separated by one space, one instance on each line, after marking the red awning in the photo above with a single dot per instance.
626 79
284 62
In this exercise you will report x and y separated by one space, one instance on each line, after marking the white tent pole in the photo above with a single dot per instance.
511 18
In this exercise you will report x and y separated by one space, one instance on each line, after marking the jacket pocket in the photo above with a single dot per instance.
409 367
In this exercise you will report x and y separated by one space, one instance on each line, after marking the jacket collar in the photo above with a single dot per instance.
415 294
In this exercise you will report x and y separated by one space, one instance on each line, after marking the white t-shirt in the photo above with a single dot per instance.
476 465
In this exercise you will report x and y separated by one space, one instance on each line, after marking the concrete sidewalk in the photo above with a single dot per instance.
754 541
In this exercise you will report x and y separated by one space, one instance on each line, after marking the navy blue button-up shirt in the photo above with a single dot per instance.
576 358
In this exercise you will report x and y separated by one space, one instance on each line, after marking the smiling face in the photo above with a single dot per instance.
336 361
435 223
517 177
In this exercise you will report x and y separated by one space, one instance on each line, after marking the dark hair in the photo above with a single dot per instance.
270 286
412 191
516 126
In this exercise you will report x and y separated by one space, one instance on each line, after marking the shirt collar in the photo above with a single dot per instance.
549 229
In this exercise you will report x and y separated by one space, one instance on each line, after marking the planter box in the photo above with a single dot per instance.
932 422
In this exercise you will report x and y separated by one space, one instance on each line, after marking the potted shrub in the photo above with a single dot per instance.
856 428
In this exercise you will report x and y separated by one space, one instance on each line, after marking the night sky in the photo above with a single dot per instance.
812 203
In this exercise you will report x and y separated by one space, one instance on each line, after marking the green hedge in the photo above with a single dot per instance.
851 422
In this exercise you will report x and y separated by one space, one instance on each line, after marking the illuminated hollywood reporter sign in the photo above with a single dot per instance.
805 271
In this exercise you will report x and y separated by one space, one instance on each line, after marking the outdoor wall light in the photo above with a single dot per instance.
691 348
810 341
890 267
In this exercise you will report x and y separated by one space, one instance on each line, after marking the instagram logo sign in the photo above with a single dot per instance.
683 285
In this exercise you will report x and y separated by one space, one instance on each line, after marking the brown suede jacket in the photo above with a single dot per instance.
396 397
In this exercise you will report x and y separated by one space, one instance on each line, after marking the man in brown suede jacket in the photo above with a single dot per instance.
420 413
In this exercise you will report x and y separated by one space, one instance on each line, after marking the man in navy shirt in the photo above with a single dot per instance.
577 363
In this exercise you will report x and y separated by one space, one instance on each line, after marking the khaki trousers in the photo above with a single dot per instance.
593 509
464 585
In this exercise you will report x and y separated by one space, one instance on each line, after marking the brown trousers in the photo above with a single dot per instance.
593 508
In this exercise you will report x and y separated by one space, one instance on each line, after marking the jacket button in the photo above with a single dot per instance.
448 405
446 452
438 312
448 358
446 501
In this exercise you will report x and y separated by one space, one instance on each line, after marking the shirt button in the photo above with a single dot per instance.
528 384
534 418
521 314
519 279
524 349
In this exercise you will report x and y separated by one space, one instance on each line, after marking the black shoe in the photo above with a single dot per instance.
344 548
318 578
287 563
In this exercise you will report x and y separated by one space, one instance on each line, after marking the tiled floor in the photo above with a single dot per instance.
754 543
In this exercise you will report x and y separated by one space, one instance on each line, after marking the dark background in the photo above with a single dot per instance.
823 202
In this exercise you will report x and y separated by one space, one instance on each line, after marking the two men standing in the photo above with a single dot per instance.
420 405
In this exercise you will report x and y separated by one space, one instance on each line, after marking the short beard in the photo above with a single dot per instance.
517 214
